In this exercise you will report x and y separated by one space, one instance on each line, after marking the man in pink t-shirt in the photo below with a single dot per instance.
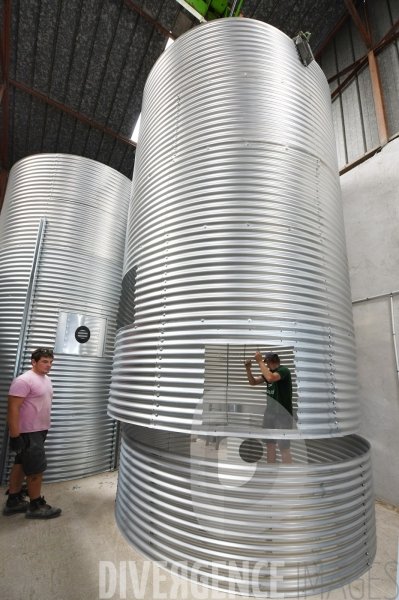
28 418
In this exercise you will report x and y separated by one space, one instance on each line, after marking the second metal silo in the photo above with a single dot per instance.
77 209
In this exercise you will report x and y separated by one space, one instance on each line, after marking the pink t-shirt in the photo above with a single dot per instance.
34 414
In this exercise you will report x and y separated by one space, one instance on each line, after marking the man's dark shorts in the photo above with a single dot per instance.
272 420
33 458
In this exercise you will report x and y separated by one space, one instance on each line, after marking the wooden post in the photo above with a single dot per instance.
378 98
366 34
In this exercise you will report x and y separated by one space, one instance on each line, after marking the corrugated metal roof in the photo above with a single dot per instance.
94 56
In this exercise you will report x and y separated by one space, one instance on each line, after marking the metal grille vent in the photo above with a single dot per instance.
71 331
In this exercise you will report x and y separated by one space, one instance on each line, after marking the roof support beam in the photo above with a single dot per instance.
364 32
385 42
382 44
347 69
332 35
359 65
5 66
148 17
394 27
68 111
2 63
334 32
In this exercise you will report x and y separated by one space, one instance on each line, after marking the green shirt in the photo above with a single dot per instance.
279 393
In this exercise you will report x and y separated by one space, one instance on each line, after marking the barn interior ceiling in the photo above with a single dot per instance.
73 71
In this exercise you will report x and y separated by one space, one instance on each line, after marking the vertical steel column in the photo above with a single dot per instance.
22 335
117 445
394 336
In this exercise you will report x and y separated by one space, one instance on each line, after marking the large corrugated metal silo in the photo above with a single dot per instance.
236 243
235 234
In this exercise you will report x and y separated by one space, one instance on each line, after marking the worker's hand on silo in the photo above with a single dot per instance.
248 363
258 357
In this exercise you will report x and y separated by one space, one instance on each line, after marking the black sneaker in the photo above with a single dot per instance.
16 505
23 491
42 511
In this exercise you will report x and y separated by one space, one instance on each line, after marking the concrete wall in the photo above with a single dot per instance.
371 211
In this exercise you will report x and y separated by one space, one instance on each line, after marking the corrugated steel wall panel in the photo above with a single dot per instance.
79 271
383 16
354 116
365 93
329 65
351 107
355 121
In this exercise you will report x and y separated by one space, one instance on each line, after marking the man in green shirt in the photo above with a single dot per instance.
278 413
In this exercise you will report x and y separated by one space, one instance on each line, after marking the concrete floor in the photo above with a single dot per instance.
60 559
